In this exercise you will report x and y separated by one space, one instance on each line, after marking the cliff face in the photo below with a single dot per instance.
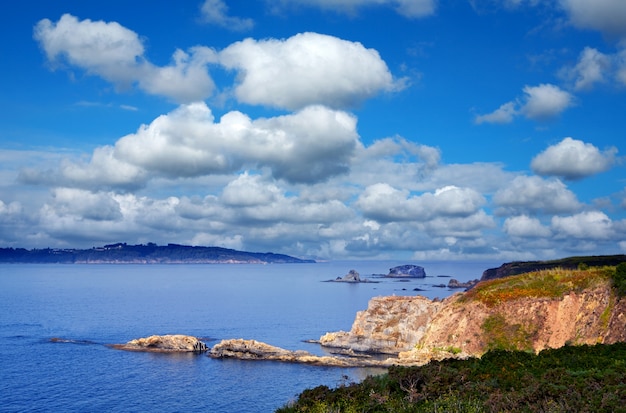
465 324
389 325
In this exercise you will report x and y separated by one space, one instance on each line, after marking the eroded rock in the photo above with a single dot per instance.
256 350
389 325
454 283
165 344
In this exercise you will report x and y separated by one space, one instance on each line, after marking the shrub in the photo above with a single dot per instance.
569 379
619 279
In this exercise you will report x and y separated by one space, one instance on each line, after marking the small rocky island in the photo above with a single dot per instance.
407 271
352 277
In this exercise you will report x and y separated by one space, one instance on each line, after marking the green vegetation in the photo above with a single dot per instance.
501 335
551 283
619 279
569 379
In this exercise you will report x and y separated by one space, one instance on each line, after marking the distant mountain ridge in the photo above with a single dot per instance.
150 253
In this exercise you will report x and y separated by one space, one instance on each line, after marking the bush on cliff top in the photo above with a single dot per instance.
572 378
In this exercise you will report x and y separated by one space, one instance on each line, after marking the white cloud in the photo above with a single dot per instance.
407 8
594 225
86 205
591 68
531 194
573 159
383 203
607 16
249 190
116 54
594 67
186 79
504 114
481 176
539 103
103 170
308 146
395 161
524 226
545 101
620 59
305 69
216 12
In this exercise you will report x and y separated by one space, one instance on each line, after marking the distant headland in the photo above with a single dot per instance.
151 253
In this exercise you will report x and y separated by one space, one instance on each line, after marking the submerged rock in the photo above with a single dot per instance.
410 271
164 344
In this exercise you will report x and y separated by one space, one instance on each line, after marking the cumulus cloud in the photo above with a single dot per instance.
116 54
308 68
573 159
407 8
523 226
383 203
216 12
308 146
593 225
86 204
545 101
539 103
532 194
607 16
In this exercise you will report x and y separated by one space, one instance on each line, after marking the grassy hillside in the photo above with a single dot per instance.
569 379
549 283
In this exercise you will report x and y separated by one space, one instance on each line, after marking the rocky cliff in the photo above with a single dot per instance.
544 309
389 325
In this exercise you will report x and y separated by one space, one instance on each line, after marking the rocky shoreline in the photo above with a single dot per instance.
414 330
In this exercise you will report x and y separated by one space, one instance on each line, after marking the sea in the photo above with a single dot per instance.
57 319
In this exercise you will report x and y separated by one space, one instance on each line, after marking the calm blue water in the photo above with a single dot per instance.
93 305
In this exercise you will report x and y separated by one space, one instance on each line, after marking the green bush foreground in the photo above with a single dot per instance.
568 379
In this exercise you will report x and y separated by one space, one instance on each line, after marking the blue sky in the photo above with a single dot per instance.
334 129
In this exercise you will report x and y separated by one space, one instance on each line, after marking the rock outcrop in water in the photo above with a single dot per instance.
407 271
255 350
164 344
